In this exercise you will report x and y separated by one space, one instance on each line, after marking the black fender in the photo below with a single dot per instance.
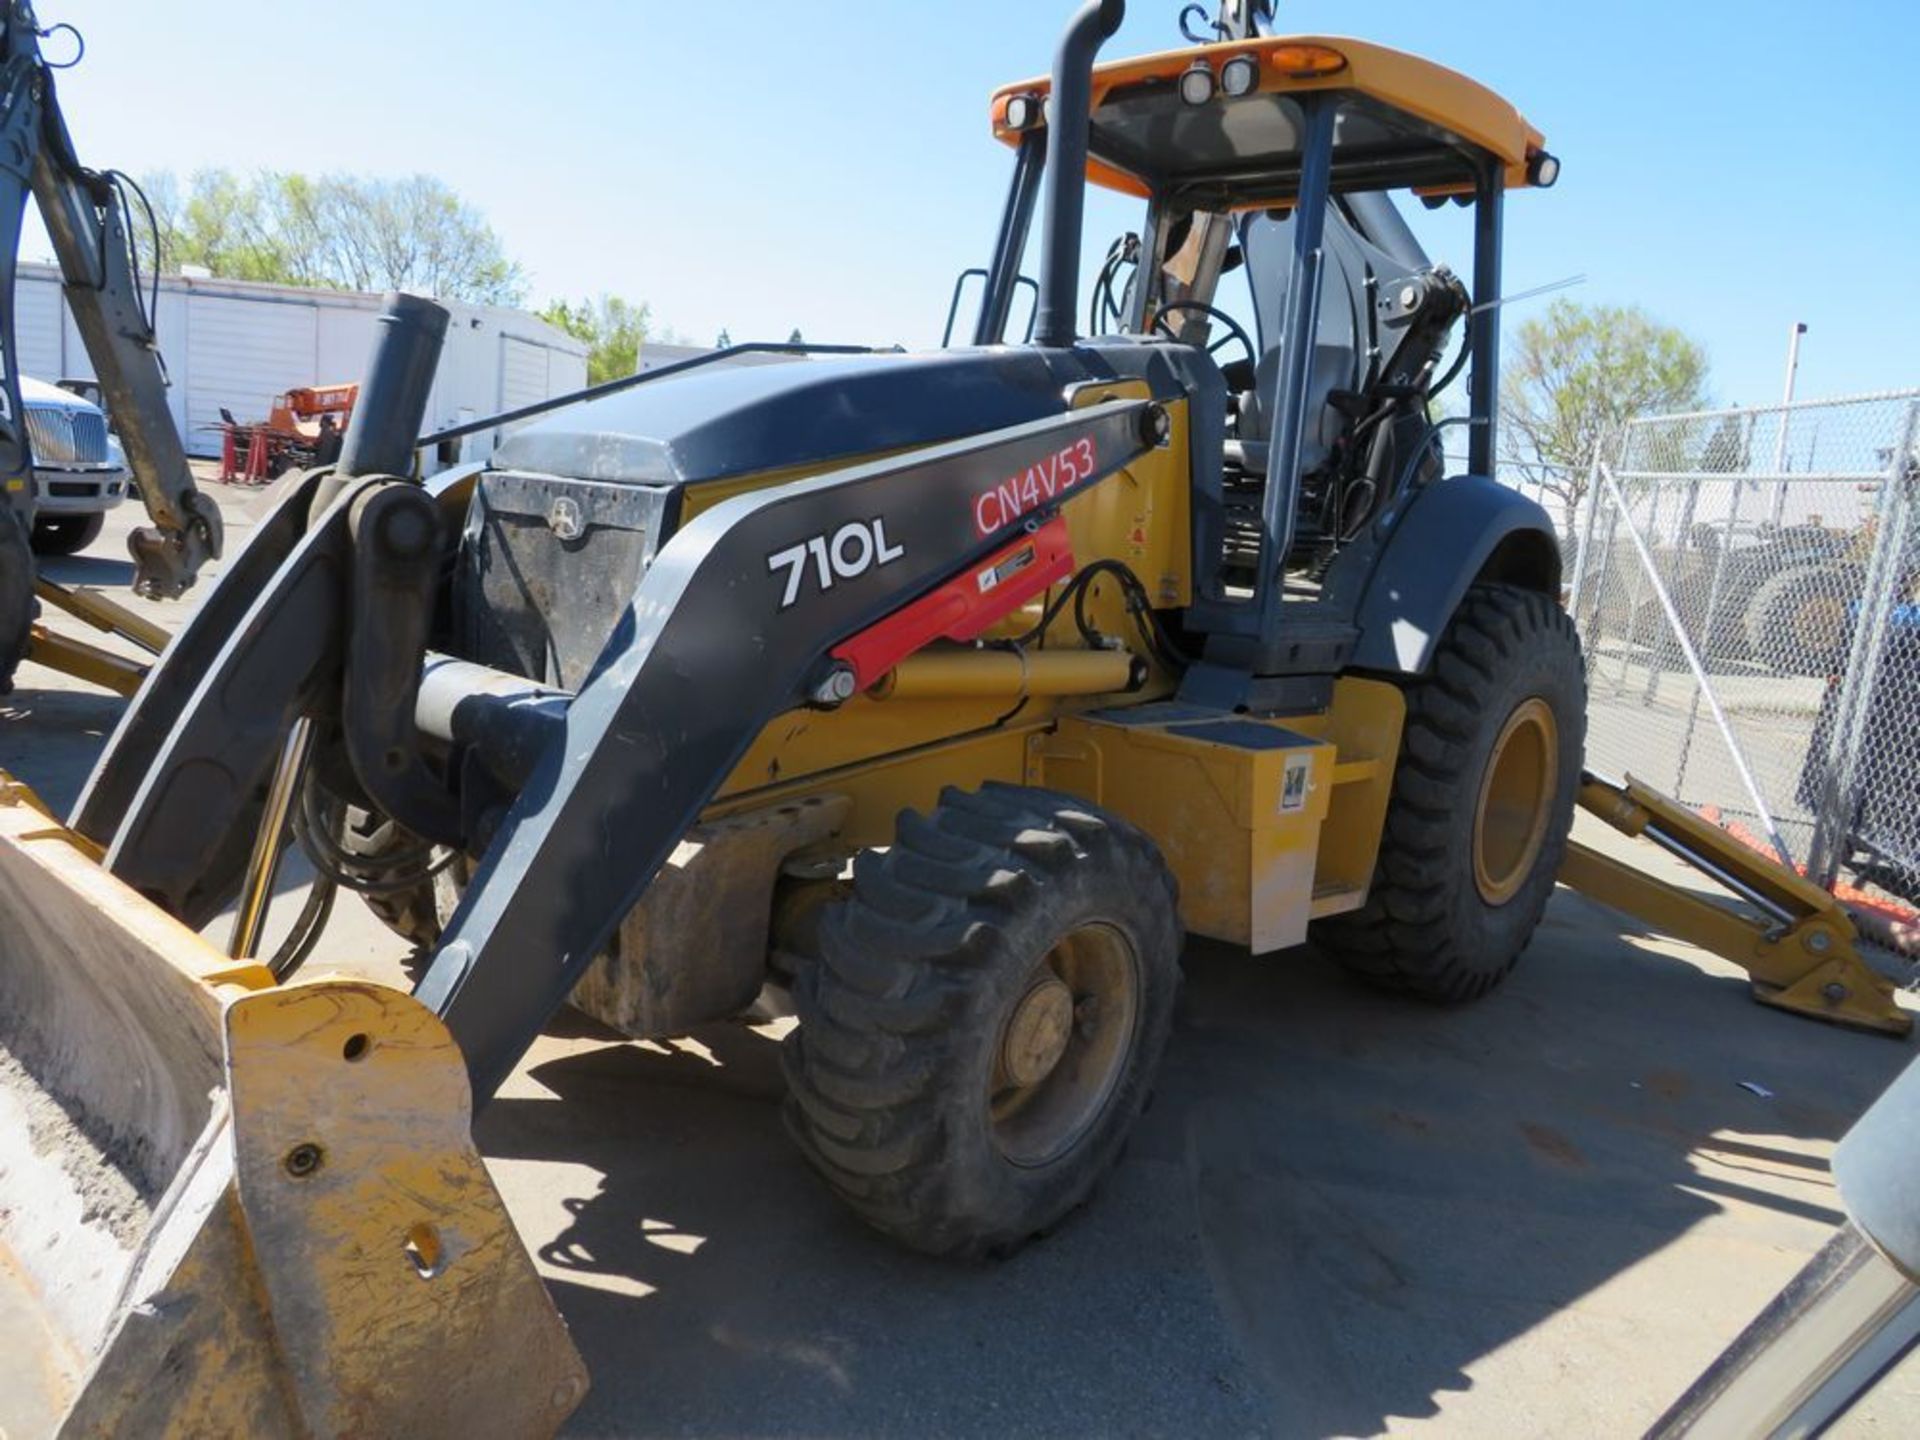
1451 535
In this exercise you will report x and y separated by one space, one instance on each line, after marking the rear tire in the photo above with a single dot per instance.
66 534
1482 800
985 1020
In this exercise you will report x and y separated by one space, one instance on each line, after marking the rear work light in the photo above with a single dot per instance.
1023 112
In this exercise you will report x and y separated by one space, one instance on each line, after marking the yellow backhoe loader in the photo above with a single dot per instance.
938 696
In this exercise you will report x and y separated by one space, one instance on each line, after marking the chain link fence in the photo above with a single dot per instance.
1745 583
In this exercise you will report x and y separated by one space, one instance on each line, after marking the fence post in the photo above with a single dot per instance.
1649 569
1699 671
1603 571
1584 546
1841 776
1706 625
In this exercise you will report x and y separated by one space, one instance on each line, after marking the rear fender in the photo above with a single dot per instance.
1452 535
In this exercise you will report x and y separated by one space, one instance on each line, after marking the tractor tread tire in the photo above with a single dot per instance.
412 914
417 912
903 1008
1768 621
66 534
1425 930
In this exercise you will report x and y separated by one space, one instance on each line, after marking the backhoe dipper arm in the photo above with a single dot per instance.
737 621
86 221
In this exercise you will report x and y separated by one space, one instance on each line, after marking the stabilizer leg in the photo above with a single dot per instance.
1802 954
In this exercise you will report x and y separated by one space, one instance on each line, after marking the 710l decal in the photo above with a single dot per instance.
855 548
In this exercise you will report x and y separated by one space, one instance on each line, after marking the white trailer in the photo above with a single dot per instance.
233 345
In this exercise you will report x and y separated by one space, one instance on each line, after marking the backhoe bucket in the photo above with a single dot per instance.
233 1207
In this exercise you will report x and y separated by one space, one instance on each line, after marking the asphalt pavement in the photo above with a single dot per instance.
1345 1214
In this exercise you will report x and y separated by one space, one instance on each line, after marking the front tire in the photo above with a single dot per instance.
1482 801
66 534
986 1018
407 887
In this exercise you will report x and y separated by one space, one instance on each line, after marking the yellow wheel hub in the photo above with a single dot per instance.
1516 801
1819 622
1036 1035
1064 1045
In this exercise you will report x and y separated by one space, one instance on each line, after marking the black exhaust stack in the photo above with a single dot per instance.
387 417
1066 172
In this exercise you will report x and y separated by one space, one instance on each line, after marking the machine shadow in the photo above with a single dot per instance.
50 737
100 571
1337 1205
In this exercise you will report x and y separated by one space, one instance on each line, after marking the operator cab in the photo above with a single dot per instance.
1278 156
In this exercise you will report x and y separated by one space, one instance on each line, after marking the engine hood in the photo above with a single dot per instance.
717 422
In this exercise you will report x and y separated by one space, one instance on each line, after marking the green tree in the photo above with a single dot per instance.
723 339
1577 374
612 328
342 231
1727 445
796 338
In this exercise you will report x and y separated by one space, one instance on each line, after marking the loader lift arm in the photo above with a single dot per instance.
1800 950
735 622
293 1248
648 741
86 218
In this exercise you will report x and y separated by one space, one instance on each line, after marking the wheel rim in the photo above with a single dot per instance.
1063 1046
1817 623
1516 801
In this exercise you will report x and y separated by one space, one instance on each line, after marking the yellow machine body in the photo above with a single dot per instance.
235 1206
1267 825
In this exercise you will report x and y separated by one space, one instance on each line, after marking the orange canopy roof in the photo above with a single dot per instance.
1430 98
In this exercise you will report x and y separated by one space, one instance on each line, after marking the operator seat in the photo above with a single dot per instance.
1341 341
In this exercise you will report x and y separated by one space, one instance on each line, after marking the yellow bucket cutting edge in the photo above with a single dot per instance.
234 1207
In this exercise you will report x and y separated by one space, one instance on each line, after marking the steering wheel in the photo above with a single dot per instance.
1232 326
1122 255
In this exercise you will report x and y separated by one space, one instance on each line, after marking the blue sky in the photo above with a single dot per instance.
1733 167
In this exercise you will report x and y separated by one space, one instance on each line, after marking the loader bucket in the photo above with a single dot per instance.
234 1207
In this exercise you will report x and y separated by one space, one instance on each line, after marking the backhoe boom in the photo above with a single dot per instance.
86 216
